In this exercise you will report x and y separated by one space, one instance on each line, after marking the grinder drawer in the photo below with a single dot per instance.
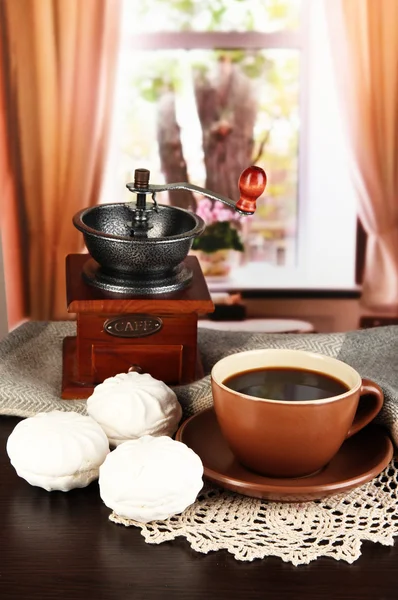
162 362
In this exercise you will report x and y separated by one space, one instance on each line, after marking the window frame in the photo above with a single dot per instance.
233 40
254 40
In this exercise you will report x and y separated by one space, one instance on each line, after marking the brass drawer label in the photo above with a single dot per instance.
133 326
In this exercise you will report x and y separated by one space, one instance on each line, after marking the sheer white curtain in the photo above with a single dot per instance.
327 210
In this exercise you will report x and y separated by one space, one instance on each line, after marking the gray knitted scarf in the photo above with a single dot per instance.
31 365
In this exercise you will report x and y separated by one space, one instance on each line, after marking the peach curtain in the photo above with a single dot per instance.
364 38
11 241
58 67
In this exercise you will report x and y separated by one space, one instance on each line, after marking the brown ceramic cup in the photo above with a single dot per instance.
290 439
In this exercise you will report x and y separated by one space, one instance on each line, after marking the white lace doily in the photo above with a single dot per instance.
296 532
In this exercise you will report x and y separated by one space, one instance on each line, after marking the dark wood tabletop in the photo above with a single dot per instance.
62 545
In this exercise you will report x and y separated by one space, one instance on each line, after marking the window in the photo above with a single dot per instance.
205 88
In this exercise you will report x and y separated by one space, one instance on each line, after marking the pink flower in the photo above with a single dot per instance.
215 213
204 211
224 215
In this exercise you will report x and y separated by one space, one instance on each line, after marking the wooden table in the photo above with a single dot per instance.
62 545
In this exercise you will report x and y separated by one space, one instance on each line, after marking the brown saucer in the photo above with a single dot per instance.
359 460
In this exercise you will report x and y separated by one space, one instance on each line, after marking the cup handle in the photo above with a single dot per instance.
367 411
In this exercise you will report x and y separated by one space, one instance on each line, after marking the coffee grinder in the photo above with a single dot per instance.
137 295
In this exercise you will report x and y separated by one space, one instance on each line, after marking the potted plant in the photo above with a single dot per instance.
220 246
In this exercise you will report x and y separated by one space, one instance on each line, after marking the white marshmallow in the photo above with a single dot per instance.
58 450
131 405
151 478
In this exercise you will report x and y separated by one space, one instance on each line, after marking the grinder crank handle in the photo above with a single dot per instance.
252 183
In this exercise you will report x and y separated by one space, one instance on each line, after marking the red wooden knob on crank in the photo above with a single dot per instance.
252 183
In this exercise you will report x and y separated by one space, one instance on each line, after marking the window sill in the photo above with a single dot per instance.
262 280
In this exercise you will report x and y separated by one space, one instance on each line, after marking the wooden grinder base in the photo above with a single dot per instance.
169 354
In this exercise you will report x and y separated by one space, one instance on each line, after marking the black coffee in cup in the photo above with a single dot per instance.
286 384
